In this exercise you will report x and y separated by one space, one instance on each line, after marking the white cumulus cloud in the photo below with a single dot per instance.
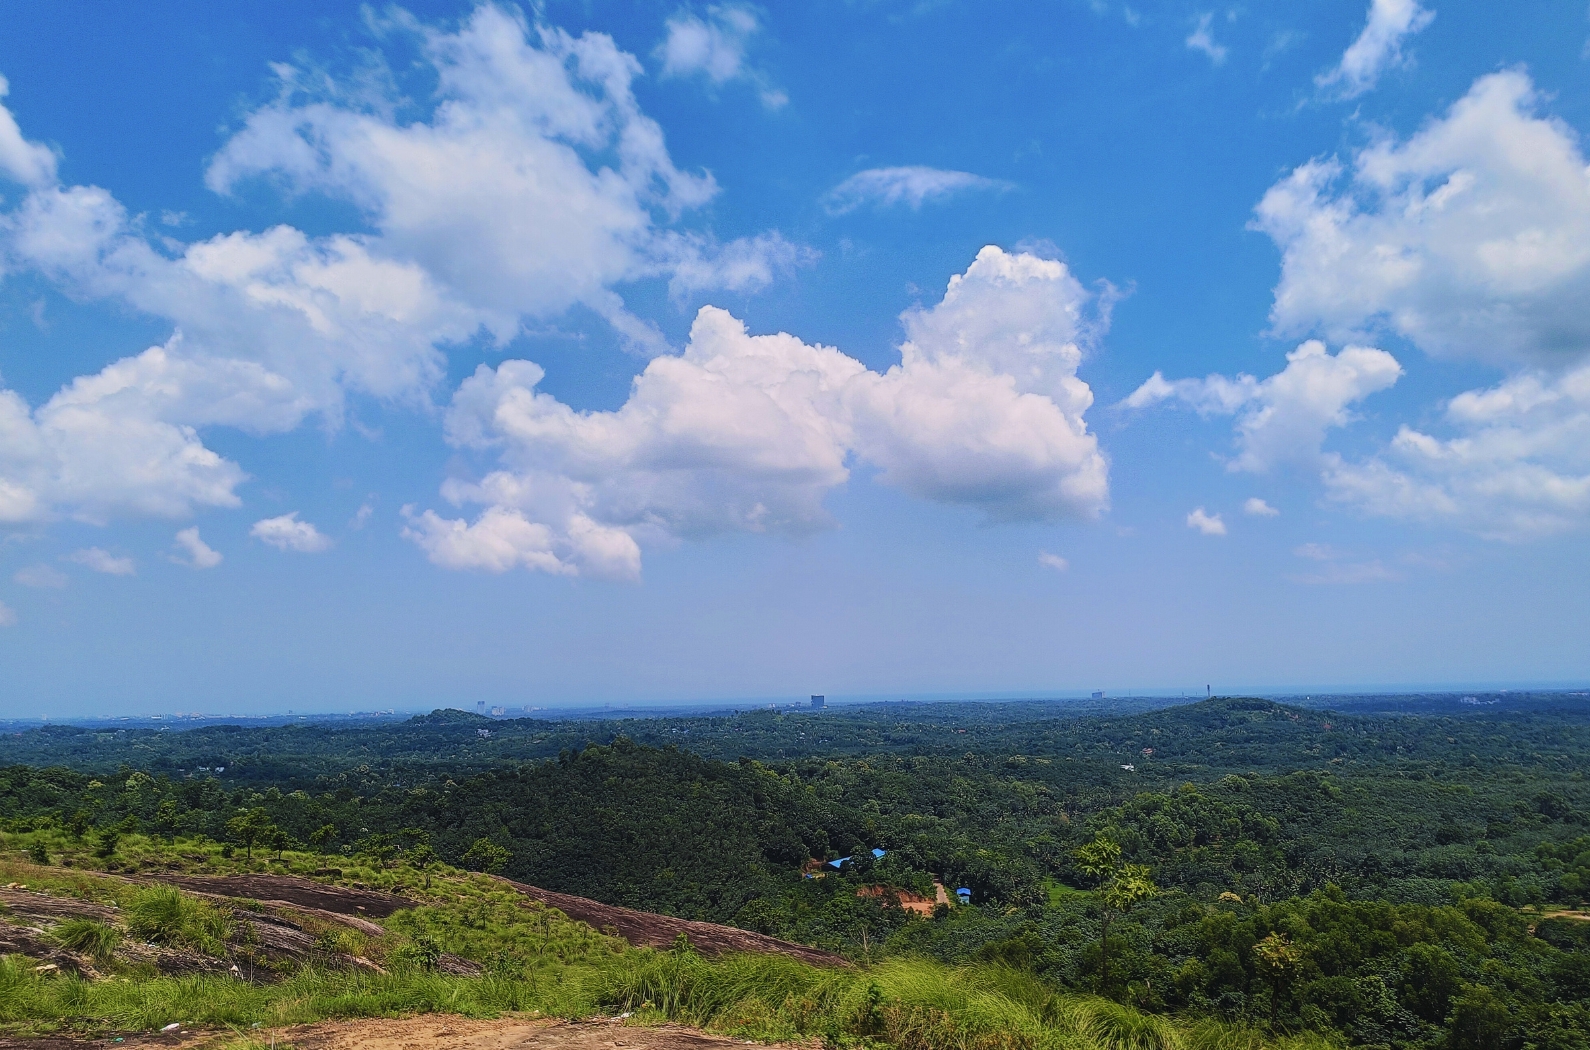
529 184
1378 47
1053 561
1469 239
1283 418
911 185
194 552
1208 524
493 196
1515 464
286 533
110 443
1258 508
749 433
30 163
715 47
103 561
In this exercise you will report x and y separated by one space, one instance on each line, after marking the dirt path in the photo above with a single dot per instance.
456 1033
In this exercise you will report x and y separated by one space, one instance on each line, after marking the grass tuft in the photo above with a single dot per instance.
89 937
165 915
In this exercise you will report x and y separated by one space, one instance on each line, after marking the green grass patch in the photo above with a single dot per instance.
89 937
910 1004
1059 891
165 915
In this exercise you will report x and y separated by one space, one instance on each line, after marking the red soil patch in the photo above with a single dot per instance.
908 900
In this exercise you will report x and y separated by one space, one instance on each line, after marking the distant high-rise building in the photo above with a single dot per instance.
480 707
1098 694
818 702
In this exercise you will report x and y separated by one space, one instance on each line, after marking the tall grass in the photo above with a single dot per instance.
89 937
911 1004
165 915
35 1002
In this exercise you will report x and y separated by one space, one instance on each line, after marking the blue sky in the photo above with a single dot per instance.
358 357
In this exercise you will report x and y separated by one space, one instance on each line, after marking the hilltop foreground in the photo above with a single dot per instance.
1226 873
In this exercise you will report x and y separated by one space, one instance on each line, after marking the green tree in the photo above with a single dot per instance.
168 819
1278 959
251 828
1479 1021
423 858
1430 978
1121 886
322 836
105 840
485 855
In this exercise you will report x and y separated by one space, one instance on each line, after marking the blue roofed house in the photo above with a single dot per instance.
840 862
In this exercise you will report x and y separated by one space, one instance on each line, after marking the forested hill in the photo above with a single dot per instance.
1418 872
1228 794
1188 740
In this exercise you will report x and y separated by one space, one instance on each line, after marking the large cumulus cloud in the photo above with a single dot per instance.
1470 240
532 183
748 432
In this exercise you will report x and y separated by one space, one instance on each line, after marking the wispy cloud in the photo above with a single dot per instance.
912 186
1053 561
715 47
194 552
1378 47
1257 508
1335 567
1202 39
103 561
39 576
